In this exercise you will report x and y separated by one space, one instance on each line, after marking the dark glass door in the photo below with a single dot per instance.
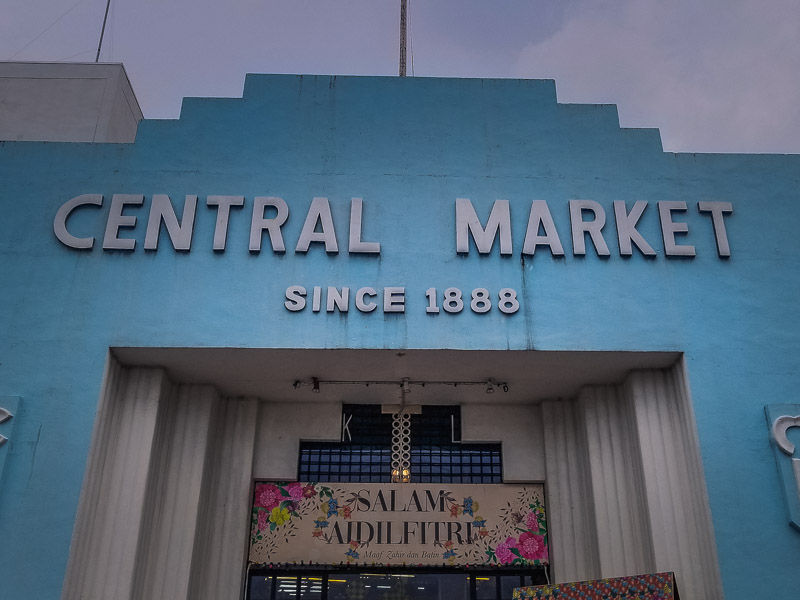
389 584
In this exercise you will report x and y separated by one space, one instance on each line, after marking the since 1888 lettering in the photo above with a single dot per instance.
393 300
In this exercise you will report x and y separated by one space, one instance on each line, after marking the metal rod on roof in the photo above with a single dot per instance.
403 31
102 32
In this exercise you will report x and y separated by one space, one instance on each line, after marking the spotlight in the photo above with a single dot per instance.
490 387
315 383
399 476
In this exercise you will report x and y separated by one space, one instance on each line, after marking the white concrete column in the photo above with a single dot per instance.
570 511
164 508
615 470
674 485
175 489
220 549
113 498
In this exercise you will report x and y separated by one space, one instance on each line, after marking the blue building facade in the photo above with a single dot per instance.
475 216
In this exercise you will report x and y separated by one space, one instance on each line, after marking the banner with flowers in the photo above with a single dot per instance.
398 524
653 586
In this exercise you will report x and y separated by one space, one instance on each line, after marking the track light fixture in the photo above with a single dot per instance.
405 383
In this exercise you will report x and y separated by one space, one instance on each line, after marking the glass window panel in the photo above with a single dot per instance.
344 586
311 588
438 587
260 587
407 586
434 456
285 588
485 588
507 585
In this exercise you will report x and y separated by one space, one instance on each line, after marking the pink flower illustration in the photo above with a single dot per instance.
532 546
267 496
295 490
309 491
263 520
503 551
532 523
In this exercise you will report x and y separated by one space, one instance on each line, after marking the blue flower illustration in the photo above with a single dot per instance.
468 506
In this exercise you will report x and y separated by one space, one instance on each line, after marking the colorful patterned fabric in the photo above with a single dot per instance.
655 586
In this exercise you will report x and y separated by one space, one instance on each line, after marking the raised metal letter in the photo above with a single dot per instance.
626 228
111 240
223 204
295 298
365 306
540 216
273 226
593 228
717 210
60 222
180 234
394 299
337 299
669 228
356 245
467 221
319 211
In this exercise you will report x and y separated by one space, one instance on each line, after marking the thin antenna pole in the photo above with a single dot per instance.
403 31
102 33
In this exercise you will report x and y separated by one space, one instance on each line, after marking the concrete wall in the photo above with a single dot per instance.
409 147
67 102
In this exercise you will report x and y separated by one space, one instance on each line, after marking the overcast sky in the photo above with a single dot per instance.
713 75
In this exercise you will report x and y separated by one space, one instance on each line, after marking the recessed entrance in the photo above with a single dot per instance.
182 434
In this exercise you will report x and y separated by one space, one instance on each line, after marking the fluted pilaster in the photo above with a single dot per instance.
220 548
113 500
175 490
674 484
570 510
615 471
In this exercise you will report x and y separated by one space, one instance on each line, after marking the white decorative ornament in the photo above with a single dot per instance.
401 447
779 428
5 415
